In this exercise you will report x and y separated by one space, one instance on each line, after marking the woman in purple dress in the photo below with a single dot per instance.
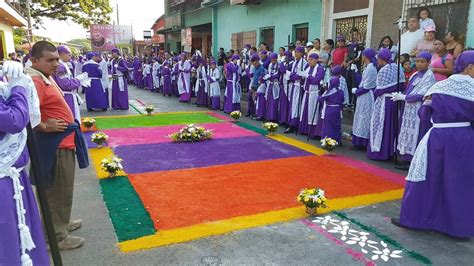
166 77
331 110
439 193
22 236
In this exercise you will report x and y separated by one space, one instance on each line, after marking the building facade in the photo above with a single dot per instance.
10 17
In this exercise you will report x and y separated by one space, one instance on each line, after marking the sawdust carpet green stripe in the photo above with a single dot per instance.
255 129
154 120
129 217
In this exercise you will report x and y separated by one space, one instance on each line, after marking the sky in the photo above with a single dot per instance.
139 13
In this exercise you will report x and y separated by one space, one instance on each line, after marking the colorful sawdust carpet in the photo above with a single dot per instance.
175 192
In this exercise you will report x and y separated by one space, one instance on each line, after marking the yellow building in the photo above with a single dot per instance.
10 17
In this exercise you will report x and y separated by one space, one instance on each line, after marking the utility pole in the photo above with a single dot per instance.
118 19
30 30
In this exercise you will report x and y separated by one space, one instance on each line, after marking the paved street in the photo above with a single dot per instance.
299 242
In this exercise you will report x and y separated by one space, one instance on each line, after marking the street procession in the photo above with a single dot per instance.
236 132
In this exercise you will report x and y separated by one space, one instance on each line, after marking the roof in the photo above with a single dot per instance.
12 15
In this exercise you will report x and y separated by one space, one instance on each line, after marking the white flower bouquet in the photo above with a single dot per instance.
191 133
312 198
328 144
236 115
111 165
149 109
88 122
99 138
270 127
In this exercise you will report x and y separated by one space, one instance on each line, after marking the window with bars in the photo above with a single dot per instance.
301 32
267 36
344 26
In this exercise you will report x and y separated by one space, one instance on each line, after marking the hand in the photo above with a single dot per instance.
53 125
354 90
12 69
267 76
82 76
116 65
397 96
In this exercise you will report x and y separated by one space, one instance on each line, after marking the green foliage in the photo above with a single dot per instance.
83 12
84 43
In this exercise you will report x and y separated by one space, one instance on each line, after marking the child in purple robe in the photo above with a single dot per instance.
214 89
331 102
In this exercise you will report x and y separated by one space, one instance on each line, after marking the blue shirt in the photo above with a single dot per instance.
257 74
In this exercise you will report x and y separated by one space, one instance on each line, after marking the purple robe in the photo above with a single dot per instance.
296 83
331 107
201 94
174 83
250 101
95 94
283 102
313 80
13 119
444 201
232 80
119 96
136 71
166 75
70 86
271 112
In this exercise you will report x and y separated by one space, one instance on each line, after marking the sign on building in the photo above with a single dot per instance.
105 37
187 39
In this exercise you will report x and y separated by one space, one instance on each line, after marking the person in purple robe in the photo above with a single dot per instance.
136 67
413 129
331 102
96 99
21 232
272 93
365 100
184 79
295 89
314 74
213 78
175 72
202 83
103 65
232 92
384 121
265 60
148 75
166 77
439 192
283 101
67 83
119 81
249 72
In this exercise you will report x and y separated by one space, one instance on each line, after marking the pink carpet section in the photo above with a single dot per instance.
150 135
388 175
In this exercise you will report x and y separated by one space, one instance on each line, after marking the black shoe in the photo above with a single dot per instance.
260 119
402 166
316 138
289 130
356 148
396 222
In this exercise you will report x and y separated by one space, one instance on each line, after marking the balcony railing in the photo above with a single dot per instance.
15 4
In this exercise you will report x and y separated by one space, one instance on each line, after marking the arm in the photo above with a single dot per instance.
122 66
98 72
448 70
65 83
414 98
457 51
14 111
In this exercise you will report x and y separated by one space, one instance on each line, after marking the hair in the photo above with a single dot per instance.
354 29
330 42
404 57
282 48
222 49
317 39
386 37
424 9
455 35
231 51
41 46
253 48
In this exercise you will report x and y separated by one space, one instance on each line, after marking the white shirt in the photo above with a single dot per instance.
410 40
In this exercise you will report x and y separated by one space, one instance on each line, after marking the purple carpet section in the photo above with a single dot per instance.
169 156
87 138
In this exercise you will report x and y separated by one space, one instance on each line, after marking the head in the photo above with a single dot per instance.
253 49
424 13
235 58
309 46
355 34
221 50
115 53
404 58
336 71
297 43
341 41
317 44
281 51
64 53
465 63
384 57
452 36
407 66
368 56
440 47
255 60
288 56
263 46
423 60
430 33
273 58
291 46
44 57
299 52
413 24
263 55
212 63
386 42
328 45
313 59
90 55
334 82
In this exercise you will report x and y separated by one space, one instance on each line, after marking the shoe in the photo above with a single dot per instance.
403 166
396 222
259 119
289 130
74 225
71 242
247 115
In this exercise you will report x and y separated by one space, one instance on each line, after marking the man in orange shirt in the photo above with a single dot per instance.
55 117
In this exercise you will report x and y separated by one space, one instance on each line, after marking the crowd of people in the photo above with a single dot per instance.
419 106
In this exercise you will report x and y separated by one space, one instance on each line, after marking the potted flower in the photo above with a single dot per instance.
99 138
312 199
88 123
328 144
270 127
191 133
149 109
111 165
236 115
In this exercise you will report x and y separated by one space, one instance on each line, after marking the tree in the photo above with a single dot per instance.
83 12
84 43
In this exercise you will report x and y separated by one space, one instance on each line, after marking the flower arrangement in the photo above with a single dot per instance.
191 133
149 109
111 165
236 115
312 198
328 144
99 138
270 127
88 122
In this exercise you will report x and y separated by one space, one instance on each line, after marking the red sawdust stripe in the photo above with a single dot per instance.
221 192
